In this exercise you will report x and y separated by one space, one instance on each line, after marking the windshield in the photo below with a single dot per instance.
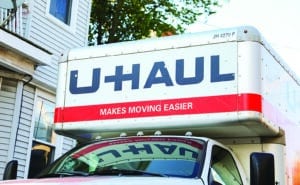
162 156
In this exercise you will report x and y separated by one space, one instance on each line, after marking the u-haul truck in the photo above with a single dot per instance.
210 108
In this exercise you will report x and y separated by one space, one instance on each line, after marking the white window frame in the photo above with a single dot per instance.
72 24
49 97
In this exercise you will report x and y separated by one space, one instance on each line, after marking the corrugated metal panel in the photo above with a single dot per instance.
7 102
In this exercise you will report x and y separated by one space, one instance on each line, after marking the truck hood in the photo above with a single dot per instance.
105 180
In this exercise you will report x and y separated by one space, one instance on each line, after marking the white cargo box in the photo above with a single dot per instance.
218 84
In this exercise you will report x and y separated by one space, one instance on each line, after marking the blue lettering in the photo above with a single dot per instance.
166 149
134 150
215 71
159 74
183 151
165 76
199 72
119 77
115 153
74 89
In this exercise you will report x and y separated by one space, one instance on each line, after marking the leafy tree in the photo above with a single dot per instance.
121 20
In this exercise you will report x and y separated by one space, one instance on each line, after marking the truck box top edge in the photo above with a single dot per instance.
235 34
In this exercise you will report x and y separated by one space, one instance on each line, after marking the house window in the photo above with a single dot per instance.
44 139
43 129
61 9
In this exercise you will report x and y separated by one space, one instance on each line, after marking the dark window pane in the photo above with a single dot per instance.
61 10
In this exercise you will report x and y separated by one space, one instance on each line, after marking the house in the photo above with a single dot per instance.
33 36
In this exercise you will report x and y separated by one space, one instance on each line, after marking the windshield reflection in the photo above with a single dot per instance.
154 156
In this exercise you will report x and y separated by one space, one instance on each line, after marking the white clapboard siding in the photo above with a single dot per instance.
7 101
23 141
57 40
53 37
67 144
16 140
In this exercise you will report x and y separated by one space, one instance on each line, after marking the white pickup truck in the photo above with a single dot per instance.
210 108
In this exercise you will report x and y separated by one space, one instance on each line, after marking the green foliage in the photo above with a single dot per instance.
122 20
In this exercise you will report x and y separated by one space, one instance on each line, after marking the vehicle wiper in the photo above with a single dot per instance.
121 172
65 174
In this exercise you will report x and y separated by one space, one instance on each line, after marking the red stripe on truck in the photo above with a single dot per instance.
166 107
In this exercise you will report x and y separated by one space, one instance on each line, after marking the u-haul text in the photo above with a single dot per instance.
159 74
